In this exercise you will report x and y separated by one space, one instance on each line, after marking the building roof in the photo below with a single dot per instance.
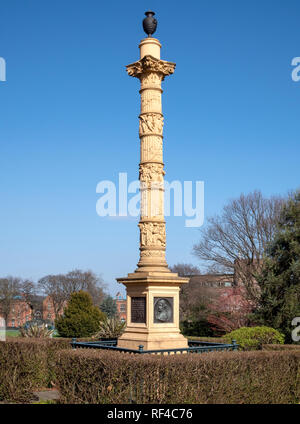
212 277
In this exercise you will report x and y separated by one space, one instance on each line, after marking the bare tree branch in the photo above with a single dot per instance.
185 270
9 290
60 287
235 241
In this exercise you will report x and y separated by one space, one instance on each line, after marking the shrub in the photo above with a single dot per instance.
199 327
252 338
111 328
93 376
81 318
36 331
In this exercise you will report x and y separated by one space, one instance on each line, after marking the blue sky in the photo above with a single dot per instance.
68 119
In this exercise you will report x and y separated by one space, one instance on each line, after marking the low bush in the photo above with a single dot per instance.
196 327
36 331
252 338
103 377
27 364
111 328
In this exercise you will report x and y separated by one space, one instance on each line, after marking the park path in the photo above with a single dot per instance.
46 395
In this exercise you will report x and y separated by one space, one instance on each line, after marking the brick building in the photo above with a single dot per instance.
20 313
213 280
121 307
48 309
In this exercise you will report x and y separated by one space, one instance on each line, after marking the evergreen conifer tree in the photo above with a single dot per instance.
280 278
81 318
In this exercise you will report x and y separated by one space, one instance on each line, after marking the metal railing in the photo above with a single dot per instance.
194 346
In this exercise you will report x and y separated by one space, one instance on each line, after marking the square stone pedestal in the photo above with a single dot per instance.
152 311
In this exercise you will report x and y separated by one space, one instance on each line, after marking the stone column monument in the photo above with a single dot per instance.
152 290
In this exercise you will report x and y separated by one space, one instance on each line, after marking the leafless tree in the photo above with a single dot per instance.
14 289
235 241
60 287
52 286
185 270
9 290
88 281
28 291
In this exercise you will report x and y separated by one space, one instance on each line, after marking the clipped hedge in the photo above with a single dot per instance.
104 377
253 338
281 347
27 364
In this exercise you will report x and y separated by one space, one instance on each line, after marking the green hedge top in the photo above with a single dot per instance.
252 338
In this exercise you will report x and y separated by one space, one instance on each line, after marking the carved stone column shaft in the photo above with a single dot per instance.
151 71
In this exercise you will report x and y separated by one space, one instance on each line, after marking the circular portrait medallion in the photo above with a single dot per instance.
163 309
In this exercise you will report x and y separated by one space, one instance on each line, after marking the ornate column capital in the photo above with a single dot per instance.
150 64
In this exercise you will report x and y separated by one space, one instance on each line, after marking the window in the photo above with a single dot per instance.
12 322
123 308
227 284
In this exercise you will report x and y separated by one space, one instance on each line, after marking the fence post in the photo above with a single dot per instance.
234 345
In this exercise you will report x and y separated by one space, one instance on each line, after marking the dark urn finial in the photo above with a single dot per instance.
149 23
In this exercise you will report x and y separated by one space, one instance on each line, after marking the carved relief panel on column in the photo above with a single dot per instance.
152 234
152 172
151 123
152 190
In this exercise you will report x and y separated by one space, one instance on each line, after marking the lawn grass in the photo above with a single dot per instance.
206 339
12 333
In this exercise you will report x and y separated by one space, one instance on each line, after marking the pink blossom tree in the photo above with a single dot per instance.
230 310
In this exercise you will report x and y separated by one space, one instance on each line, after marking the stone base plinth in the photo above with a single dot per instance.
152 321
152 341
